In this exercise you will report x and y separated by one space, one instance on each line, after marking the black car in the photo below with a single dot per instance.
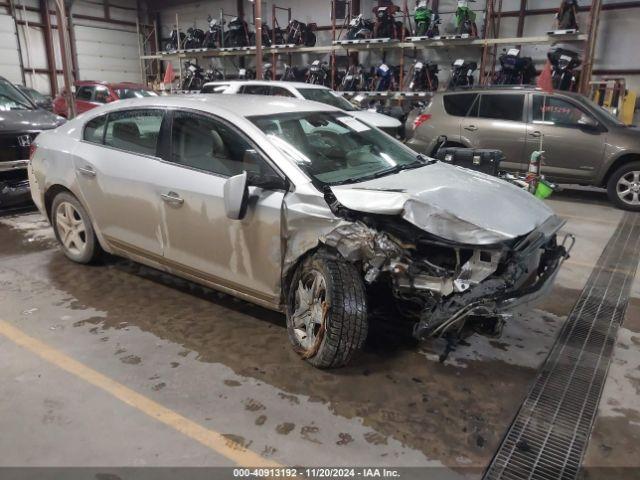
20 122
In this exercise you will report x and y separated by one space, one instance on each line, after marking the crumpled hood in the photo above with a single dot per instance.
450 202
26 120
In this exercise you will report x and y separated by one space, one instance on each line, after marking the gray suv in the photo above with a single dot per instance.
584 144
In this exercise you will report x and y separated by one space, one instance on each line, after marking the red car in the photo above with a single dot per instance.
90 94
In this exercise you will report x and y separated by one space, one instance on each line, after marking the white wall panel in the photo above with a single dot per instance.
9 59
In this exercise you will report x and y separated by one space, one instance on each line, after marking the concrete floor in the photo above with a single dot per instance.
120 365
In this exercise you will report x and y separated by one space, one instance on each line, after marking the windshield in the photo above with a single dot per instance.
328 97
334 148
11 98
134 93
35 95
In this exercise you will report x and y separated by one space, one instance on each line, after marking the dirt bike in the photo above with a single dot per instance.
465 19
171 44
426 21
516 70
194 77
300 33
213 36
194 38
360 28
462 73
425 77
566 16
563 64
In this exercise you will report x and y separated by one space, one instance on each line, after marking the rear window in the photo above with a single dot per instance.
458 104
502 107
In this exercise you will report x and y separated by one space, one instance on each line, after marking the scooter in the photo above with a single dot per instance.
426 21
385 24
516 70
563 65
194 78
462 73
300 33
425 77
318 73
194 38
566 18
360 28
171 44
238 33
213 36
465 19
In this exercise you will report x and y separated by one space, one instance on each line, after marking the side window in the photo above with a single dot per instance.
101 94
214 88
94 129
458 104
135 131
281 92
556 111
84 93
207 144
502 107
255 89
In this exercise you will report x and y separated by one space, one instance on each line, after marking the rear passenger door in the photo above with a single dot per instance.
118 171
497 121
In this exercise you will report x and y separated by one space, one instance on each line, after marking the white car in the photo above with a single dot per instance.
305 91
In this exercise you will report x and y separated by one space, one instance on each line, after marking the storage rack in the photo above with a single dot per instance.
488 45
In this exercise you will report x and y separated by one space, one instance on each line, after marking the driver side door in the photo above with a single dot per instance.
239 256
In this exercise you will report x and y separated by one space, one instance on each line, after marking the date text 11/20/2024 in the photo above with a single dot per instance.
320 472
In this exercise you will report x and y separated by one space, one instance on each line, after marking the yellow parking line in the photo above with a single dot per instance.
209 438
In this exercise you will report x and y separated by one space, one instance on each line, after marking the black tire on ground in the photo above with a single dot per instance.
345 325
92 250
612 186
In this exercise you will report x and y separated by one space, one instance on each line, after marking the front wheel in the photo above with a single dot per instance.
73 229
623 187
327 311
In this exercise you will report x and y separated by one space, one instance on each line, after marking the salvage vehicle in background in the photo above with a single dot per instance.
307 91
20 122
583 143
298 207
91 94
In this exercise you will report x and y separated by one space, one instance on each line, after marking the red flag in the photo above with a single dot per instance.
168 74
545 81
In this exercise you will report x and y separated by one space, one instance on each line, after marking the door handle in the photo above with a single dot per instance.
172 198
536 134
471 128
87 171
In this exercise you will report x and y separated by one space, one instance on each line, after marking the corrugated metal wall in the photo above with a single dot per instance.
9 59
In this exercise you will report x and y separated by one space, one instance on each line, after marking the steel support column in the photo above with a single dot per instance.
48 45
65 50
258 25
590 50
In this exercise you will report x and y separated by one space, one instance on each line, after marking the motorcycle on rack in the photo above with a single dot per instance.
247 73
426 21
516 70
563 65
385 22
213 36
299 33
462 73
293 74
194 77
319 73
385 78
171 44
566 18
360 28
465 19
424 78
237 32
353 80
267 72
267 36
194 38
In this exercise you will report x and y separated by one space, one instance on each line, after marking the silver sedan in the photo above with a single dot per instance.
298 207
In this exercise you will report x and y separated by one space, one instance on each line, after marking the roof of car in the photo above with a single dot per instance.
242 105
83 83
277 83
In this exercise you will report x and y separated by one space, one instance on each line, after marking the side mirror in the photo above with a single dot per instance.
588 123
236 196
266 181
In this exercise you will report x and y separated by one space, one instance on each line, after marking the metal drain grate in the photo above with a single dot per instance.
549 435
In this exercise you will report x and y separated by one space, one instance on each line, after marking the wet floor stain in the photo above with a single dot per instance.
344 439
232 383
131 360
158 386
375 438
236 442
253 405
261 420
308 433
285 428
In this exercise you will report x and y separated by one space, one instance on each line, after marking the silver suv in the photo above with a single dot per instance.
584 144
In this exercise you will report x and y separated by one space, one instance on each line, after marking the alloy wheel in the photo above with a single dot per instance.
310 310
628 188
71 228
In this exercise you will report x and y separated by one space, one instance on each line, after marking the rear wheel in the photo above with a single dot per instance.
73 229
327 311
623 187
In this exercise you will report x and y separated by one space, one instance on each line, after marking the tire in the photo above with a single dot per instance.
340 326
77 237
627 177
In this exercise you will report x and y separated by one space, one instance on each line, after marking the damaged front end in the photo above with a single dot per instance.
440 283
